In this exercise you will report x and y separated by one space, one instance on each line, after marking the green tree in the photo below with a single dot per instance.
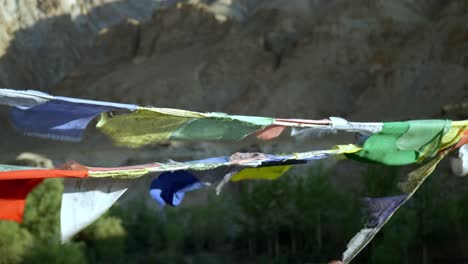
55 252
15 242
42 213
105 239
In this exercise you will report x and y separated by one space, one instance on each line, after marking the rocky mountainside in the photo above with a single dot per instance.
367 60
42 41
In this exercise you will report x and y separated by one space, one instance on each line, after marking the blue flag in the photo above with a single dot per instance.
57 119
170 187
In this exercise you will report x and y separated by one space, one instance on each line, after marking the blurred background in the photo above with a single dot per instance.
364 60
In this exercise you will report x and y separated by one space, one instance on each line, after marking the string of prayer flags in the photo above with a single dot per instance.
80 195
67 118
237 159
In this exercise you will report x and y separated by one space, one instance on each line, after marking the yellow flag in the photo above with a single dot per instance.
119 174
262 173
417 177
141 127
454 134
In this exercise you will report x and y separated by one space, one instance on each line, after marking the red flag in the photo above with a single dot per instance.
15 186
13 195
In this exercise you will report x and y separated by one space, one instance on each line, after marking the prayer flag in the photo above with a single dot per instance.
170 187
85 200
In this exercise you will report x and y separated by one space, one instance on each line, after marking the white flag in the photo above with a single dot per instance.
460 164
85 200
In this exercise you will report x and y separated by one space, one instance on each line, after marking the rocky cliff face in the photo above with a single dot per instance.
42 41
377 60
